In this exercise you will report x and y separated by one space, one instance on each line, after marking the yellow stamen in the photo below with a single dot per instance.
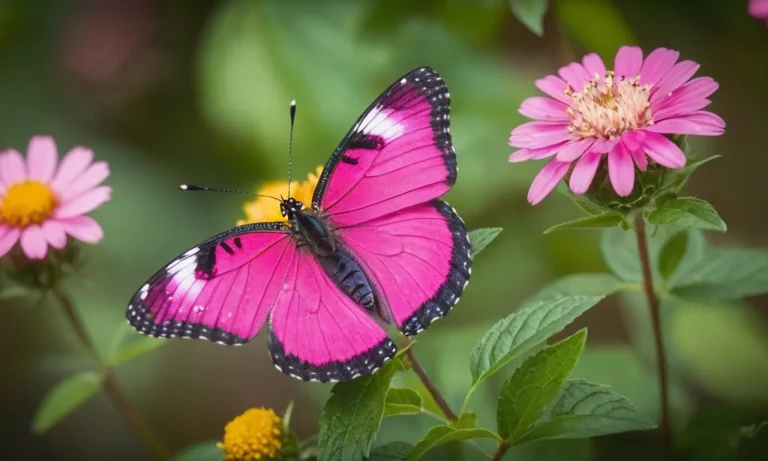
252 436
27 203
262 209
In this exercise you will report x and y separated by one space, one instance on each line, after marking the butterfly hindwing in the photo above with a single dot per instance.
221 290
396 155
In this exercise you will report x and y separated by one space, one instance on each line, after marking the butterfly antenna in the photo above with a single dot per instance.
290 144
192 187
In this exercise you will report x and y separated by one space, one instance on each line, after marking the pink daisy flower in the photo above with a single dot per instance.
759 9
623 114
40 203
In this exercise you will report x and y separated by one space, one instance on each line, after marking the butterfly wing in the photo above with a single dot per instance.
221 290
317 333
419 260
397 154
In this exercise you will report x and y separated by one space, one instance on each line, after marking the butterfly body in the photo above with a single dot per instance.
377 245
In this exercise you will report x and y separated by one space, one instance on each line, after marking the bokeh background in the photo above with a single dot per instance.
178 91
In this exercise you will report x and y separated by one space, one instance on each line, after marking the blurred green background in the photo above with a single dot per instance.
178 91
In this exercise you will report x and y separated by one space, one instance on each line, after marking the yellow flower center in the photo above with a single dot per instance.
263 209
607 108
26 203
252 436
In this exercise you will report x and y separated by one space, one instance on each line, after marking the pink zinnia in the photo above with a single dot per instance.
40 204
623 113
759 9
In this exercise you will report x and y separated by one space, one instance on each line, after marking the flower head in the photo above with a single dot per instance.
623 114
759 9
42 202
254 435
263 209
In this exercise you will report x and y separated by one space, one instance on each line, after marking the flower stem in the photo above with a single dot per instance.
501 451
430 386
661 358
111 387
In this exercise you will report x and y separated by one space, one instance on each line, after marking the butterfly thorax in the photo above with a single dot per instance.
308 228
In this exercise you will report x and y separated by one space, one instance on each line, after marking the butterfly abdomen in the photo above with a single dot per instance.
347 274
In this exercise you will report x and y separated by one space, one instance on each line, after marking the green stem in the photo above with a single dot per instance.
430 386
654 305
111 387
501 451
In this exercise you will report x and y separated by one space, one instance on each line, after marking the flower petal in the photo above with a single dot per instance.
593 64
54 234
657 64
688 98
573 150
8 239
12 168
629 60
72 166
584 172
83 228
699 123
553 86
535 154
663 151
602 146
33 242
639 156
621 170
633 139
538 134
546 180
85 203
544 109
92 177
41 158
758 8
575 75
675 78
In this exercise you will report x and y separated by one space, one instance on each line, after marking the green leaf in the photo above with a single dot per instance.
531 325
402 401
607 219
672 253
440 435
481 238
687 213
586 409
585 204
287 415
675 179
64 398
530 13
14 292
526 395
202 451
596 284
392 451
352 415
466 420
722 274
128 344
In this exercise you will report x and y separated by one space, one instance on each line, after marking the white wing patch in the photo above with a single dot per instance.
378 123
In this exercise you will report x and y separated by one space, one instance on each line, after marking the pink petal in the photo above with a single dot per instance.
594 65
41 158
54 234
657 64
84 203
675 78
535 154
8 239
691 94
546 180
629 60
621 170
680 108
758 8
575 75
553 86
602 146
83 228
12 168
72 166
91 178
33 242
640 159
700 123
544 109
584 172
633 139
538 134
573 150
663 151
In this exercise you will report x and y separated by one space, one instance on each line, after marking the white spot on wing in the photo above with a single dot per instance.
378 123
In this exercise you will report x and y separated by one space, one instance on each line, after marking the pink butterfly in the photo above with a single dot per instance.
377 244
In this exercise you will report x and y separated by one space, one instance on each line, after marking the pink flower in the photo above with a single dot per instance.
759 9
40 204
623 113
